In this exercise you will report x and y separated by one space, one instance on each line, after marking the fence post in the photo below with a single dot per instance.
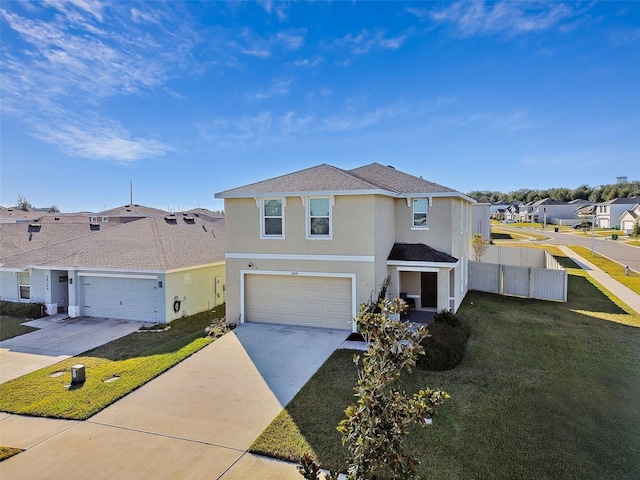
501 276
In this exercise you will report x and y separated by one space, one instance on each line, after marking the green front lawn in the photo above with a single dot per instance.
112 371
614 269
11 327
547 390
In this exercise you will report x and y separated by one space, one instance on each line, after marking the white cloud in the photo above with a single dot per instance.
279 88
95 137
513 18
292 39
255 130
308 62
357 121
66 65
365 41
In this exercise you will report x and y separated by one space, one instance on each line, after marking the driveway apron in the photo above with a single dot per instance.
194 421
54 342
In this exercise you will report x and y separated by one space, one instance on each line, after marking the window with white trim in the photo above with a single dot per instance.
319 218
272 221
24 285
105 219
420 207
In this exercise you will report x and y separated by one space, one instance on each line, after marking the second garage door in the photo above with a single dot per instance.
297 300
123 298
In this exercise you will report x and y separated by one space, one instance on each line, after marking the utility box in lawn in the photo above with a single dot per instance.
77 374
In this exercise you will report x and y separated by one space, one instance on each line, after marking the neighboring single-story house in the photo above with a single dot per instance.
629 219
309 247
154 269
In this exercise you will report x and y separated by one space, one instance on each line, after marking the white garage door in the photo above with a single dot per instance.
124 298
627 226
297 300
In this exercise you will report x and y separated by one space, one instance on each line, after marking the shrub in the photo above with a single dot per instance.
455 321
21 310
446 344
443 350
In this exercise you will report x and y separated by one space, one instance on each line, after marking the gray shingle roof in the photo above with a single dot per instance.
373 178
418 252
146 244
396 181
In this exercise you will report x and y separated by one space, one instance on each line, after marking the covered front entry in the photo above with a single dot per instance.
123 298
314 301
425 277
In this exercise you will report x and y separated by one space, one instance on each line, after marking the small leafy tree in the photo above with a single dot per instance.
480 245
23 204
635 231
54 209
376 425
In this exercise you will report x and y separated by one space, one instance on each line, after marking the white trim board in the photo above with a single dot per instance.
289 256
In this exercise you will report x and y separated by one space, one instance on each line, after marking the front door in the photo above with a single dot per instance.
429 289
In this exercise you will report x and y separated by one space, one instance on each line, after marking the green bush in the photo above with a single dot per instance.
21 310
444 349
455 321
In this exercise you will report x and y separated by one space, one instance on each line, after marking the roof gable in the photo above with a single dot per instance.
327 179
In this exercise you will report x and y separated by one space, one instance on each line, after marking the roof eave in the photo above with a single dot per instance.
407 263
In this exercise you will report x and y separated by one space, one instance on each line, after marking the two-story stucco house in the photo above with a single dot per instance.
308 247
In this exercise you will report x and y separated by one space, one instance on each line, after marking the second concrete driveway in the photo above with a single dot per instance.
195 421
54 342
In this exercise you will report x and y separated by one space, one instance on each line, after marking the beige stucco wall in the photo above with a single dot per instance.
353 217
195 288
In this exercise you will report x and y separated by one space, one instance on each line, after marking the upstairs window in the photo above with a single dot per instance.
272 219
420 206
319 224
24 285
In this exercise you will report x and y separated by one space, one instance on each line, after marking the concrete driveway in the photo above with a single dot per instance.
53 342
197 420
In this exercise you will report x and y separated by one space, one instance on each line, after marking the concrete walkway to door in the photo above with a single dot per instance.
197 420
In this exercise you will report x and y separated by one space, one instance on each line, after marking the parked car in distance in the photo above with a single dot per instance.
509 221
577 226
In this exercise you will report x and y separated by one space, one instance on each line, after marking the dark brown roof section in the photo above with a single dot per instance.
418 252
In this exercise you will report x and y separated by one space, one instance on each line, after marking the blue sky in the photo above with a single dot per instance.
186 99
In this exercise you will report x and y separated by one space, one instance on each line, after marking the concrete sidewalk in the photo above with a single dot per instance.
625 294
197 420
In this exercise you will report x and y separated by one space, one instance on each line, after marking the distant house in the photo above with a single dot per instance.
608 213
480 222
308 247
549 211
154 269
629 219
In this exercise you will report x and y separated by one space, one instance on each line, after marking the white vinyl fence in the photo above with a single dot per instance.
543 278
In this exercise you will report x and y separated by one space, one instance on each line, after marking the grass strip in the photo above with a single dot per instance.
613 269
12 327
546 390
112 371
6 452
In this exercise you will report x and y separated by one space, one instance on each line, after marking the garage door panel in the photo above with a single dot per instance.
308 301
122 298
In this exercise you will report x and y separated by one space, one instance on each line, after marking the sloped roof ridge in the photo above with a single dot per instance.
71 239
397 172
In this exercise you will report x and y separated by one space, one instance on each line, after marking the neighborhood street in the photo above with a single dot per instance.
614 249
